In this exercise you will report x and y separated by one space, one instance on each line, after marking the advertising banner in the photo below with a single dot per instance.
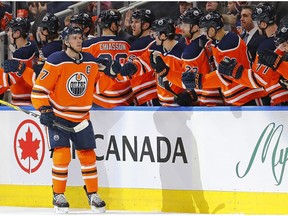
219 149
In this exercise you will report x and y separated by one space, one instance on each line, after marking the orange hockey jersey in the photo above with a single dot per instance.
197 57
111 48
270 79
143 82
235 92
68 87
166 89
21 86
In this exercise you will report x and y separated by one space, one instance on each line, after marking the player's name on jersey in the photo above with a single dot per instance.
113 46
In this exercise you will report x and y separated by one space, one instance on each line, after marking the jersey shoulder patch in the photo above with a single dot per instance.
267 44
25 52
58 57
51 47
141 43
230 41
194 48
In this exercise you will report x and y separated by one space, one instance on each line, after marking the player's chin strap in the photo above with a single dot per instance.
70 47
192 33
14 41
77 61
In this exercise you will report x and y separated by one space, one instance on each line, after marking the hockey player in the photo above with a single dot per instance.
63 92
142 79
19 82
48 39
165 59
197 55
265 15
277 60
83 21
226 48
48 35
110 47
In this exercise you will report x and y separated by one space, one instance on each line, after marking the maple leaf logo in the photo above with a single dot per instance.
29 146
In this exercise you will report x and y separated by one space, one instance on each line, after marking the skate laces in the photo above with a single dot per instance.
60 198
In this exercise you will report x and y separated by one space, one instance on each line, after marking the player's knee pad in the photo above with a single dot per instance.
86 156
61 156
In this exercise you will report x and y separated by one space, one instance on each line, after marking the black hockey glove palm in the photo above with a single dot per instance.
231 68
128 69
186 98
112 68
159 65
12 65
270 59
47 116
192 80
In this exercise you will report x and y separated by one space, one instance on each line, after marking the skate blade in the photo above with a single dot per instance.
98 210
63 210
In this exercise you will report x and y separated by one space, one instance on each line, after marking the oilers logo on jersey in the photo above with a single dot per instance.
77 84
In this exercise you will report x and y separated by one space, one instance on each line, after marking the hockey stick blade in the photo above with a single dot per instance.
81 126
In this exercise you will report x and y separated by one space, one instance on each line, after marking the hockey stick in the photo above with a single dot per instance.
168 88
164 81
81 126
211 64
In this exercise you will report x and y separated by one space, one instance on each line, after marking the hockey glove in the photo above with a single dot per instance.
47 116
112 68
159 65
270 59
37 69
230 67
102 61
192 80
12 65
186 98
128 69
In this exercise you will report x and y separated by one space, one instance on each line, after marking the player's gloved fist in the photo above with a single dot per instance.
112 68
192 80
128 69
159 65
102 61
37 69
47 116
186 98
230 67
270 59
12 65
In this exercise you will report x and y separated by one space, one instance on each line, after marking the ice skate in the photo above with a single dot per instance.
60 203
96 203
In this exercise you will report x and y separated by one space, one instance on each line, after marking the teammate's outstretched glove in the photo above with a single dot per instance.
128 69
159 65
37 69
102 61
270 59
230 67
192 80
186 98
112 68
12 65
47 116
